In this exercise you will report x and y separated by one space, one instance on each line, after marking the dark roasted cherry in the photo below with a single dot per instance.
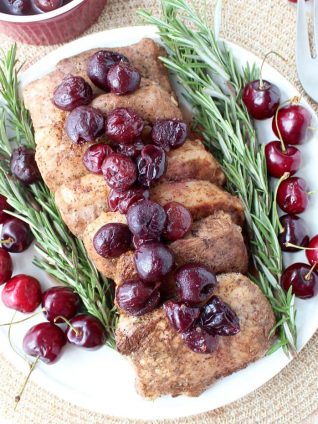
153 261
46 341
122 200
72 92
152 164
16 235
95 155
292 195
169 133
312 255
199 340
146 218
22 293
86 331
217 317
85 123
123 78
132 150
4 205
293 122
5 266
124 126
179 221
119 171
23 165
301 279
137 297
60 302
279 161
180 316
194 283
19 7
261 99
112 240
140 240
99 65
48 5
295 232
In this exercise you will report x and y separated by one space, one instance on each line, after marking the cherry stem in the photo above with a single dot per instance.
311 193
77 333
10 341
22 320
287 244
261 83
32 366
282 178
9 240
308 275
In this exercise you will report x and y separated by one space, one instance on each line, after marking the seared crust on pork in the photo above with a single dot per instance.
165 365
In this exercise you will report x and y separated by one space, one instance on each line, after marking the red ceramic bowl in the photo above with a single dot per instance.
54 27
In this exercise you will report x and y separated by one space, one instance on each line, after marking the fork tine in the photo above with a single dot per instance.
316 25
303 47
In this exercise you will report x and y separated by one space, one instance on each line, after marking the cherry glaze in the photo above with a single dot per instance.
169 133
151 164
121 201
217 317
94 157
120 172
200 341
124 126
180 316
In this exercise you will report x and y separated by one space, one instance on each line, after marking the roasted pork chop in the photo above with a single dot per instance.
165 365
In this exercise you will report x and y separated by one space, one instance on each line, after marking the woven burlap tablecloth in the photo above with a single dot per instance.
289 398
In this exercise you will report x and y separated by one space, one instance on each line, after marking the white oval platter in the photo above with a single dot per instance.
103 380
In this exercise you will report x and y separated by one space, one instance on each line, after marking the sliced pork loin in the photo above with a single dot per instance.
83 199
218 242
166 366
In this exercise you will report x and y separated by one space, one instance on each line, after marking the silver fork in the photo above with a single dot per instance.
307 66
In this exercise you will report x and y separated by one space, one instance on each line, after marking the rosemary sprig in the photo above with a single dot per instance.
211 83
61 254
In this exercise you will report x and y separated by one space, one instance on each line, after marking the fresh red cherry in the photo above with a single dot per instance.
86 331
169 133
112 240
312 255
199 341
217 317
152 164
153 261
123 126
146 219
22 293
45 341
180 316
278 161
122 200
261 99
292 195
136 297
179 221
293 122
16 235
23 165
5 266
295 231
123 78
72 92
4 205
94 157
60 302
99 65
120 172
85 124
302 280
48 5
194 283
